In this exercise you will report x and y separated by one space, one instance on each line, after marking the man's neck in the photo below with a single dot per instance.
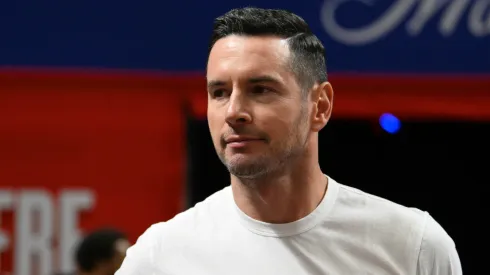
284 197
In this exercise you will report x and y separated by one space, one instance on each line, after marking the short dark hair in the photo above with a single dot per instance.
97 247
307 51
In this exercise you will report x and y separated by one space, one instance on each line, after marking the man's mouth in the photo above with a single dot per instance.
237 141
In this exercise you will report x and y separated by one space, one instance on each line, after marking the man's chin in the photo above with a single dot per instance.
243 160
246 168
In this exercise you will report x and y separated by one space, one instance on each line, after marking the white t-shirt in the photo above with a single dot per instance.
350 232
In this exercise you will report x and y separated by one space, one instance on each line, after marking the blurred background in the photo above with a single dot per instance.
103 115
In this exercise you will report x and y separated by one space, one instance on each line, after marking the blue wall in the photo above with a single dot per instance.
173 35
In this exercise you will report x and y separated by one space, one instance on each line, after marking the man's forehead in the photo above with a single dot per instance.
238 39
248 55
235 45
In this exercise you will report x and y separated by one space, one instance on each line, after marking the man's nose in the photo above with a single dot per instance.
238 110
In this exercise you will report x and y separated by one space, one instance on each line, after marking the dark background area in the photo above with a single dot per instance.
439 167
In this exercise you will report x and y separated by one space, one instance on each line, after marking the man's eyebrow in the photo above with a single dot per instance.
253 80
215 83
264 78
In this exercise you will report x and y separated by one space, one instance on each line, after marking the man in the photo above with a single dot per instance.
268 97
101 252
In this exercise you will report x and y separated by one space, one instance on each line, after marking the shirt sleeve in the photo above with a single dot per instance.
438 254
140 258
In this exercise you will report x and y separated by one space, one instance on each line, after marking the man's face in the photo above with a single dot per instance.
257 115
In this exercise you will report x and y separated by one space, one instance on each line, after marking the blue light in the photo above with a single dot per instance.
390 123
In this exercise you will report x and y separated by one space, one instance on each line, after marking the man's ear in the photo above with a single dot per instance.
322 98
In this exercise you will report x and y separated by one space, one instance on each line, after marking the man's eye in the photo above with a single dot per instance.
260 90
218 93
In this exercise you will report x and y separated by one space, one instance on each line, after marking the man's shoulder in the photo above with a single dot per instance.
378 209
217 204
201 215
401 227
381 226
390 224
437 253
163 240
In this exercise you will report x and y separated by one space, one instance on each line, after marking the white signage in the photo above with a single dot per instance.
451 14
45 229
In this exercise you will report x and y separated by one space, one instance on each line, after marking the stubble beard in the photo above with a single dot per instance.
273 160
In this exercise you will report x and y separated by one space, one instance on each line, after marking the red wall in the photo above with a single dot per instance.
120 139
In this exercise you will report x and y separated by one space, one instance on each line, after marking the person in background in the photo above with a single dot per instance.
101 252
